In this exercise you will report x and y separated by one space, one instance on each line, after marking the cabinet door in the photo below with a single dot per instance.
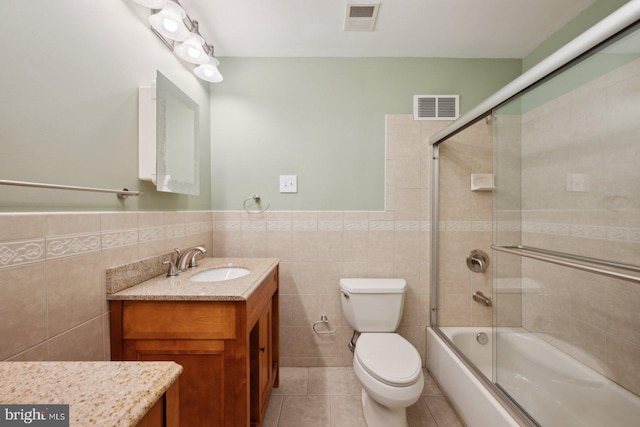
201 384
264 326
261 360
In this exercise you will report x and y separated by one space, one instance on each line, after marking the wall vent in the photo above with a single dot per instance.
436 107
361 16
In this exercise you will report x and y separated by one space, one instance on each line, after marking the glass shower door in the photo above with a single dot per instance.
567 243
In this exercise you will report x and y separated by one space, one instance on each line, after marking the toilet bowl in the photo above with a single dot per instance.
387 366
389 369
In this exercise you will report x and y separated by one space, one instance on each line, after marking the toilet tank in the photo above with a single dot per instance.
373 305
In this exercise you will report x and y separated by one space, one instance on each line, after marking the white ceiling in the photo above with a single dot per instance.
405 28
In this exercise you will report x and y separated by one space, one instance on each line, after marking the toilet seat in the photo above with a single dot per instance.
389 358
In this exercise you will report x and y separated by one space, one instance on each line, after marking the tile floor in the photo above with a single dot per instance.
330 397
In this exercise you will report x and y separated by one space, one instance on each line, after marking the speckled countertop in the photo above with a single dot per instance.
98 393
181 288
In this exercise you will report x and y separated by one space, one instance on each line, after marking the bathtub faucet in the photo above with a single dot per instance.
482 298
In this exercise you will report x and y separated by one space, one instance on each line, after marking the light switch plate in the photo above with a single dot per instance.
288 183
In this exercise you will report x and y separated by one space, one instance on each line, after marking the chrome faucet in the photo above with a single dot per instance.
189 255
481 298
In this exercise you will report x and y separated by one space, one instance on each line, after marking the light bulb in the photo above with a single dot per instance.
169 22
169 25
209 71
191 50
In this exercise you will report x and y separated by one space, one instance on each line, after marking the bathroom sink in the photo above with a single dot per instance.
219 274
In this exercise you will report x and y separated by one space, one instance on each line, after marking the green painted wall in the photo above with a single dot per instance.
323 119
589 17
69 104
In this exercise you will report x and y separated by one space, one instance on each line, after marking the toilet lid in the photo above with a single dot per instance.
389 358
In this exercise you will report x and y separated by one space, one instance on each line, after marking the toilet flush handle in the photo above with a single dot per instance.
346 295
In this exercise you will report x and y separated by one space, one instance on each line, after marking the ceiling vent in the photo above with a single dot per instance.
361 16
436 107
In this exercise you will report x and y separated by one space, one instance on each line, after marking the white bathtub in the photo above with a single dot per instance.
554 387
472 401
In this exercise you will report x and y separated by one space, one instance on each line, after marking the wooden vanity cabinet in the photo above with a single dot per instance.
229 351
165 412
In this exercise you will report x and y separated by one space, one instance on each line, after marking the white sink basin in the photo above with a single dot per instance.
219 274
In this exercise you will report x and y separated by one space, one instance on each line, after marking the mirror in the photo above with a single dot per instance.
177 124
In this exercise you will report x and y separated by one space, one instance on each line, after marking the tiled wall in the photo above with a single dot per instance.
52 275
52 266
591 131
318 248
465 219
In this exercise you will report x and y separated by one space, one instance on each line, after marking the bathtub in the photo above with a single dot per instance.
468 394
556 388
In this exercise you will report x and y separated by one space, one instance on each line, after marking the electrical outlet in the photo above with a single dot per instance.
288 183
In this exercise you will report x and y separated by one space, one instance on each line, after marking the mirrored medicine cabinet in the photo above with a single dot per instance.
168 138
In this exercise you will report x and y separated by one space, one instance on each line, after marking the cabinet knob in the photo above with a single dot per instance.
262 349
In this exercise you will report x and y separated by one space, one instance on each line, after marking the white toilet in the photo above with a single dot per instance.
388 367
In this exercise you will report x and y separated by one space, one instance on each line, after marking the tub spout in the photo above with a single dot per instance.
482 298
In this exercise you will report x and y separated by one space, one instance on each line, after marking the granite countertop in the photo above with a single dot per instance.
98 393
179 287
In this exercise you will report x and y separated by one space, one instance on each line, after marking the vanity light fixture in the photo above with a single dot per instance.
171 23
209 71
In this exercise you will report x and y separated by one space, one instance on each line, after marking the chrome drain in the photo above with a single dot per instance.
482 338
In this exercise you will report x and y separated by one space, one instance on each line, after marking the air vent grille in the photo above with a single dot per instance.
436 107
361 11
361 16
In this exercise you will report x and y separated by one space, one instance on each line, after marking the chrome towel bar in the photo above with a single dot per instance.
578 262
122 194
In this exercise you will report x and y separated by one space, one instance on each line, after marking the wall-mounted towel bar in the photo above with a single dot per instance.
122 194
578 262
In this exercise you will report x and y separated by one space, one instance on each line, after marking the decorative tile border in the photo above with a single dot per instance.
198 227
304 225
356 225
620 234
514 226
21 252
175 230
227 225
330 225
119 238
588 231
151 234
623 234
278 225
408 226
381 225
62 246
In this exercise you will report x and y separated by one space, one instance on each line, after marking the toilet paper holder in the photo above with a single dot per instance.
324 320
